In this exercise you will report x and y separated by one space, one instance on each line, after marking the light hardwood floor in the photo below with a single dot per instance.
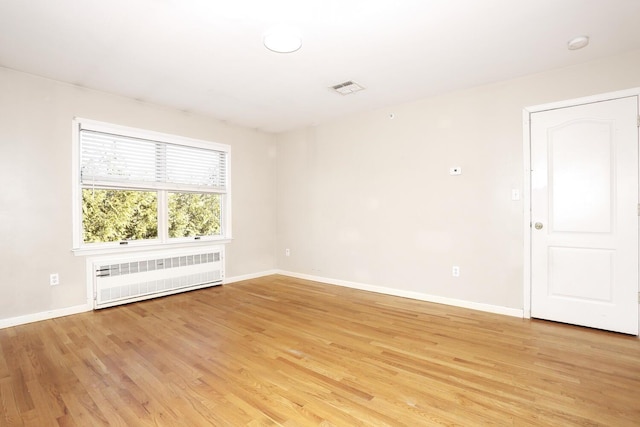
278 351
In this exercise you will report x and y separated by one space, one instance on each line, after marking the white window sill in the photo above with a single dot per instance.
139 247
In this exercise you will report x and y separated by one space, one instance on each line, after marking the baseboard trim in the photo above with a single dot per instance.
44 315
52 314
234 279
496 309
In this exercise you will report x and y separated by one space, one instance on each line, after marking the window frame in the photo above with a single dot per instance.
162 241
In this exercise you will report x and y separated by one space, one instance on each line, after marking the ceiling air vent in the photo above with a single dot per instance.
347 88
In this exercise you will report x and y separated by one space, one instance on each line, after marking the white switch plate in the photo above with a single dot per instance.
515 194
455 271
287 252
456 170
54 279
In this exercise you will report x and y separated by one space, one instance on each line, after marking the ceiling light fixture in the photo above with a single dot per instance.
282 40
578 42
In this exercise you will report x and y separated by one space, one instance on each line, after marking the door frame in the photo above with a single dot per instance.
526 138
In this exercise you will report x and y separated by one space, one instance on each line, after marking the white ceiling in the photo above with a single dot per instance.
207 56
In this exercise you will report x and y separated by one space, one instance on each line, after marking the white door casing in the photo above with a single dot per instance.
584 201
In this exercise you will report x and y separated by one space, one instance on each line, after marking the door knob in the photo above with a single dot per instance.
538 226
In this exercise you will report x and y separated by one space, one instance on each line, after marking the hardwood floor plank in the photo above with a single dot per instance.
278 351
10 414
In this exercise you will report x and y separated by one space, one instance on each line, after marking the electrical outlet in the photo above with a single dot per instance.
455 271
54 279
287 252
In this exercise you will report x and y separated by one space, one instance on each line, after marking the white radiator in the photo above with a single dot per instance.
132 278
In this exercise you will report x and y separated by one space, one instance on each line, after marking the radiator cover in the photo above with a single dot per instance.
135 277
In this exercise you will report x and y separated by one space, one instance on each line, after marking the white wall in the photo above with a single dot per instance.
363 199
35 199
369 199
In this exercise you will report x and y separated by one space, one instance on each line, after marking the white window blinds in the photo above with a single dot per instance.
112 160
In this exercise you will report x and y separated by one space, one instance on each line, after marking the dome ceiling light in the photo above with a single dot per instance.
578 43
282 40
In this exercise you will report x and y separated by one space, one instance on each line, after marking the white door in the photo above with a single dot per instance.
584 211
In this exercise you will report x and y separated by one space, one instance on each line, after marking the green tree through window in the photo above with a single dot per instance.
193 214
116 215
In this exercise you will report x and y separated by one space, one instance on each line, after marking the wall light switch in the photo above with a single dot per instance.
515 194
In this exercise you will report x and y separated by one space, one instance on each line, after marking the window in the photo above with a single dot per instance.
136 187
